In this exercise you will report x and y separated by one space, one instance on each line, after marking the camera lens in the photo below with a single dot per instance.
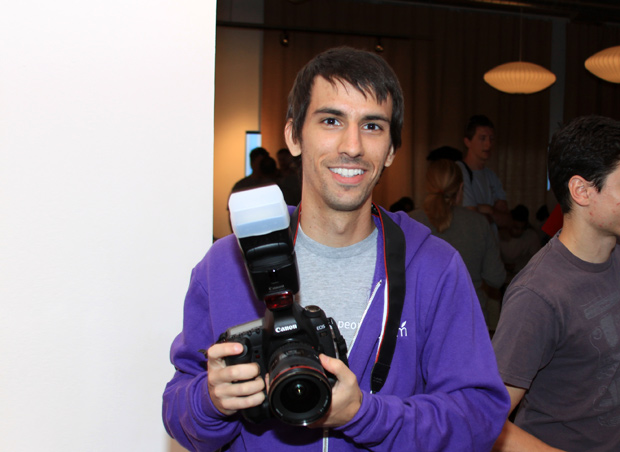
300 394
299 391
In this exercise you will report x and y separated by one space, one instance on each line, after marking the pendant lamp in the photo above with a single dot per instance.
605 64
519 77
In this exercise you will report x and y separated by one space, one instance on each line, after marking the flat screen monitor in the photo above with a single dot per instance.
252 140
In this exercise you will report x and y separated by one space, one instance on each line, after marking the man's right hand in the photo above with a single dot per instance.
233 388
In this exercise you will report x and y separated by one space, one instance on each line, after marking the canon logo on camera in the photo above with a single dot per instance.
283 329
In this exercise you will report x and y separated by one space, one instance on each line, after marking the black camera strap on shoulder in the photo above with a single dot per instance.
394 255
394 246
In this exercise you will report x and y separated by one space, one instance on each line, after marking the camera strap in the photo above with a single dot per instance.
394 247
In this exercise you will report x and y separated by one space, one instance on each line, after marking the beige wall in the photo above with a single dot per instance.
237 100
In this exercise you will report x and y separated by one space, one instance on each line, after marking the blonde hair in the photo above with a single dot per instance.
443 181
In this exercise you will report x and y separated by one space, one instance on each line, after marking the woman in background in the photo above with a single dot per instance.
467 231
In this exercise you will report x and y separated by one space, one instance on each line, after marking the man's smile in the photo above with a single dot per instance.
347 172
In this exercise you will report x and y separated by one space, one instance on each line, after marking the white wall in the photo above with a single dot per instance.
106 150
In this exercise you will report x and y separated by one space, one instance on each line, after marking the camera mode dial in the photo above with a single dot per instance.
313 311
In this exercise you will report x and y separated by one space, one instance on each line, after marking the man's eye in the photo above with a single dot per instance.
331 121
373 126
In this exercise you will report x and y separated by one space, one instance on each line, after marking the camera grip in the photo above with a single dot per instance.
242 358
261 412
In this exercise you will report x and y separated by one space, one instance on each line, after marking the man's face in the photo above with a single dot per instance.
481 144
345 144
605 206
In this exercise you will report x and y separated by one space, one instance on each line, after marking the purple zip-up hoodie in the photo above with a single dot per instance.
443 391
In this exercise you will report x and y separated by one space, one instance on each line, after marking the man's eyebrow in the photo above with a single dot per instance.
376 118
336 112
329 111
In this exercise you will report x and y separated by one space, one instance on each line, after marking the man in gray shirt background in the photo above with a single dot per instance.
558 339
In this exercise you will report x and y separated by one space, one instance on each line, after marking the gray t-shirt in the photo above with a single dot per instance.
559 337
471 235
482 187
338 280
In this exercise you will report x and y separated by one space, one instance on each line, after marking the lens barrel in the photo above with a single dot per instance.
299 392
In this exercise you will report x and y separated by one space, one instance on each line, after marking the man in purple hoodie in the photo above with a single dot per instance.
443 391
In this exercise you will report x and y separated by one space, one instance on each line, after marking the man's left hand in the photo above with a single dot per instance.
346 394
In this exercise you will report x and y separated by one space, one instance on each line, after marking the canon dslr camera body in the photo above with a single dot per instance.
287 341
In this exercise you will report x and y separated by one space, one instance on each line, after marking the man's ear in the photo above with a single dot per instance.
467 142
580 190
390 157
291 143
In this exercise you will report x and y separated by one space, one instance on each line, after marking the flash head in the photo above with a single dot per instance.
258 211
260 220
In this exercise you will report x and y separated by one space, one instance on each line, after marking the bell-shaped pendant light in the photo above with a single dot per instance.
605 64
519 77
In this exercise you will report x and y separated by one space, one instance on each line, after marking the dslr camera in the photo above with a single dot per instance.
287 341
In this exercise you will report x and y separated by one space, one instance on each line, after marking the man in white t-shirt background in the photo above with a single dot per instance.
482 189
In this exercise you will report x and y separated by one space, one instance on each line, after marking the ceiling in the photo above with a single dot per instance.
590 11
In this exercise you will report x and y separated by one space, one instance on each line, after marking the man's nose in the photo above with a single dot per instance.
351 143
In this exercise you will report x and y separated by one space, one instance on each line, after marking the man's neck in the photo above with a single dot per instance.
473 163
336 229
584 241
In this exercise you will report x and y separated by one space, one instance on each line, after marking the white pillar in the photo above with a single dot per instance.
106 137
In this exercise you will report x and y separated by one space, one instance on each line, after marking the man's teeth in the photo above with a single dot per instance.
346 172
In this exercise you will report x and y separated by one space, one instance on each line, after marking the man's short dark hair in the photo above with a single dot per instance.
589 147
520 213
364 70
474 122
258 152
